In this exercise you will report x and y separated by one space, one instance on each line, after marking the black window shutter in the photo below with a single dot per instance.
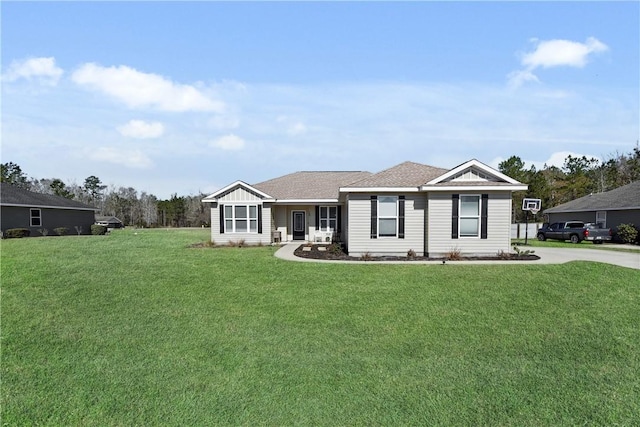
401 217
483 216
455 199
221 219
339 221
374 217
259 219
317 217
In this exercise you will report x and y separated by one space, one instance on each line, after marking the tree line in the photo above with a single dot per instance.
133 208
579 176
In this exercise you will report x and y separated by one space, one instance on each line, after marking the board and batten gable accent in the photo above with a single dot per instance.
361 208
496 214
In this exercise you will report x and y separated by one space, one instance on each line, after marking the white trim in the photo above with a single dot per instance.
234 219
31 217
506 187
212 198
380 189
551 211
305 228
16 205
477 164
478 217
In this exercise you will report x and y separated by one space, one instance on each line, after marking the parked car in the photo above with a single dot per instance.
575 231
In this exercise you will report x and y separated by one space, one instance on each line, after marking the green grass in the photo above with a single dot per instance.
582 245
140 329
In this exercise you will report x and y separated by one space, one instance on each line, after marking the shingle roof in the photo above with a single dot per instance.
16 196
407 174
309 185
625 197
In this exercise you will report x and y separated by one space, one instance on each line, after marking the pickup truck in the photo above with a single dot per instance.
575 231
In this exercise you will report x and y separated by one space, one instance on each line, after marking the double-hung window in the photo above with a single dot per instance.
469 216
387 216
241 218
35 217
328 218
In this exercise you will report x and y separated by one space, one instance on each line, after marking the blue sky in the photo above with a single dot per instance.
187 97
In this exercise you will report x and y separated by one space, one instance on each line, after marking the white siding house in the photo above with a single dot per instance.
409 207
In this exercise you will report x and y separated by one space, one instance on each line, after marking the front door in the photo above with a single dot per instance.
298 225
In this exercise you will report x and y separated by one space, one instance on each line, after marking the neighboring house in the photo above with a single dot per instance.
611 208
109 221
37 212
411 206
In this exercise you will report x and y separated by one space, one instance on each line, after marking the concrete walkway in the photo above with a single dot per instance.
547 256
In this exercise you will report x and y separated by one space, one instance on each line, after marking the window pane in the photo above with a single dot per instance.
35 222
387 206
469 205
241 226
241 211
254 226
333 225
323 225
35 213
387 226
469 226
228 226
253 212
323 211
333 212
228 211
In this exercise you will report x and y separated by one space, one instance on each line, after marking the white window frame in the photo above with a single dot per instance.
32 217
234 219
477 217
383 217
331 222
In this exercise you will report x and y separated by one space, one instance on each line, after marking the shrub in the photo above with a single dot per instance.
78 229
335 248
366 256
236 243
17 233
454 254
43 231
411 254
61 231
98 230
628 233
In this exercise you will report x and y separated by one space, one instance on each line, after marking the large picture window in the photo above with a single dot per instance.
328 218
241 218
387 216
36 217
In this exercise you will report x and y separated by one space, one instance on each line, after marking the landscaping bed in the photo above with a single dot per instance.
335 252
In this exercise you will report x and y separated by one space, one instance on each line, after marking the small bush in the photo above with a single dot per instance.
98 230
17 233
335 248
454 254
236 243
411 254
628 233
78 229
366 256
43 231
61 231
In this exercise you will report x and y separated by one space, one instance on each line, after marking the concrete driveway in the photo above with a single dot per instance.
562 255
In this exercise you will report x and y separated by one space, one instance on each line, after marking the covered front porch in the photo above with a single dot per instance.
306 223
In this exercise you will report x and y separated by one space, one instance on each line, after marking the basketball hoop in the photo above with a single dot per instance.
533 206
534 211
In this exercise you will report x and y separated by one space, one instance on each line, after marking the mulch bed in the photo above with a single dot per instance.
329 252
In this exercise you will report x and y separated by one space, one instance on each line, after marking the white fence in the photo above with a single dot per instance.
518 231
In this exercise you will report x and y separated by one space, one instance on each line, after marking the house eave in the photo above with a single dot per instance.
305 201
379 189
510 187
594 209
36 206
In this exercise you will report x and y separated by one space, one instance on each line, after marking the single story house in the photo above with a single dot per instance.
610 208
410 206
20 208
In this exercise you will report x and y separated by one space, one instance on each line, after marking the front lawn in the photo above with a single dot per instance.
138 328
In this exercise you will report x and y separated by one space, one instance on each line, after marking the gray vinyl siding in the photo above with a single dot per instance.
359 239
249 238
498 227
20 217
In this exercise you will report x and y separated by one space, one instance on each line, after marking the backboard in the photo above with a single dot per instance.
532 205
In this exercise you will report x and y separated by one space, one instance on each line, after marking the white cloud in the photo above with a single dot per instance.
143 90
43 70
556 159
555 53
293 127
229 142
141 130
129 158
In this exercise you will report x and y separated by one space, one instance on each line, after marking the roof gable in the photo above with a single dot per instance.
473 170
233 187
11 195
